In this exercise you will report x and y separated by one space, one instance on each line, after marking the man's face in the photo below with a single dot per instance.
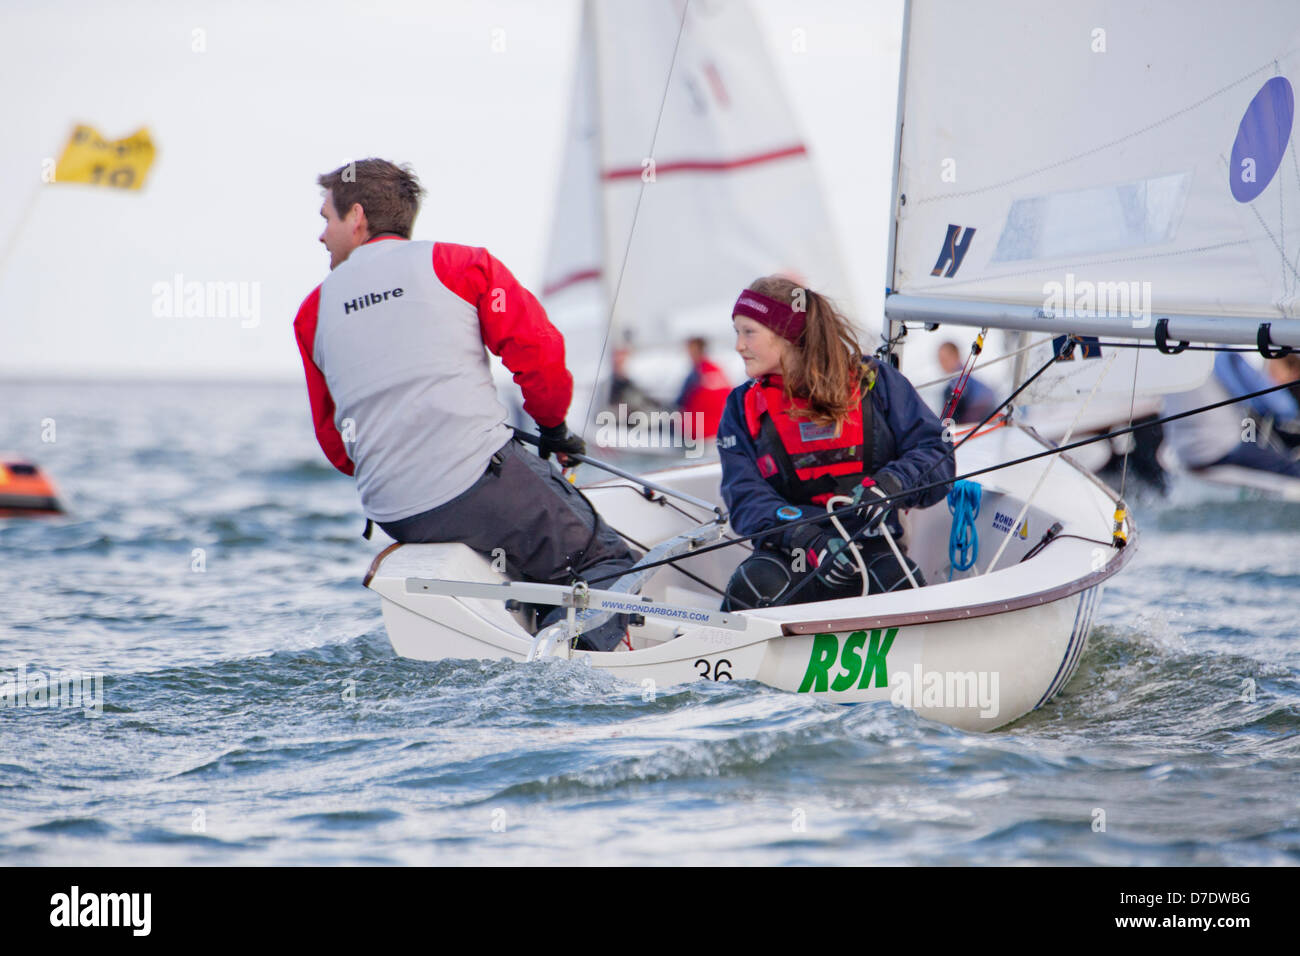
341 236
949 359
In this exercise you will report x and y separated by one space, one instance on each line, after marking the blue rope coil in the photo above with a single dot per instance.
964 539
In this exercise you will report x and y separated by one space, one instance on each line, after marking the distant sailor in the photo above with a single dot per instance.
392 343
1225 436
1286 371
818 419
977 400
704 393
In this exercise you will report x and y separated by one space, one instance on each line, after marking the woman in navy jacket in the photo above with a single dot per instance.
817 419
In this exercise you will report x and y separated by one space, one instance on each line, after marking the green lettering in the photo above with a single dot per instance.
851 648
819 662
875 660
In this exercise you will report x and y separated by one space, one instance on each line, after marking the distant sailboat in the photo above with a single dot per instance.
675 195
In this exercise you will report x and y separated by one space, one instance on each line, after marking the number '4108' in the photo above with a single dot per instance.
718 671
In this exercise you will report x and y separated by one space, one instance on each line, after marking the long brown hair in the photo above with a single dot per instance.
825 365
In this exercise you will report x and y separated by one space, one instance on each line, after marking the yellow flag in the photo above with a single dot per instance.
90 158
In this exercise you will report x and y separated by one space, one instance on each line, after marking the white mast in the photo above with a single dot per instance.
893 326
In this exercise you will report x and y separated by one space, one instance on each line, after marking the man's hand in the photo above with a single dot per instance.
559 440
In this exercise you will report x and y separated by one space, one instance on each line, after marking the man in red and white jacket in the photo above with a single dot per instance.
402 397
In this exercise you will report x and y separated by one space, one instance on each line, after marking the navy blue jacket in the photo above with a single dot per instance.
920 455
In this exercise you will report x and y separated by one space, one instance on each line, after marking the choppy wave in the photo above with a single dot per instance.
254 713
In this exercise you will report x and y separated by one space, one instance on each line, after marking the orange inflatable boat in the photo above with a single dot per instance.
24 490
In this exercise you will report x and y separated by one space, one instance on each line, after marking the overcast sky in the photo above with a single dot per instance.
248 101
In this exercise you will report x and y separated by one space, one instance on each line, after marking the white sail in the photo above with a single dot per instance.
1124 160
574 253
700 177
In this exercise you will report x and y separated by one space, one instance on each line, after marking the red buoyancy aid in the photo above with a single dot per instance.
709 397
804 462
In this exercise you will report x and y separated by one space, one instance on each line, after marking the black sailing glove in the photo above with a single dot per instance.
827 554
559 440
868 497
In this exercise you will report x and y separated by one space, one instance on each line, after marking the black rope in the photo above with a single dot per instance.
887 499
1004 403
883 512
885 352
1109 544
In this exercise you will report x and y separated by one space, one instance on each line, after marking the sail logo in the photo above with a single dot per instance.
1262 139
954 250
862 659
1003 522
1086 299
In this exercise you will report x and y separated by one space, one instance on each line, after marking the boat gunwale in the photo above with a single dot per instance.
967 611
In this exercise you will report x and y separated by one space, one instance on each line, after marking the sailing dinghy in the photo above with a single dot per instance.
977 651
1074 163
981 645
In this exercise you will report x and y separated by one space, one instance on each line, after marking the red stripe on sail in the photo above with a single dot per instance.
572 278
708 165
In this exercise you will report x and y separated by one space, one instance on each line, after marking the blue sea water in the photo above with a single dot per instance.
253 711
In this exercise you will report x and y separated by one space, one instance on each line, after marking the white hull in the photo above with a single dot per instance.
975 652
1268 483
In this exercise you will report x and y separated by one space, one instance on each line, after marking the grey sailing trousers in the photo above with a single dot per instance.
546 529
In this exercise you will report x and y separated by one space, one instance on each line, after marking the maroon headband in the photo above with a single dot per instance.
777 316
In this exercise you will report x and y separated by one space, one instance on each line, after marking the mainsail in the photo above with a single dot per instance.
684 176
1097 168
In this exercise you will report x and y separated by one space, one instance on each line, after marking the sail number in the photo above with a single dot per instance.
715 670
123 177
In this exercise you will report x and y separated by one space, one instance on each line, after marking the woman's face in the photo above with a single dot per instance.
759 346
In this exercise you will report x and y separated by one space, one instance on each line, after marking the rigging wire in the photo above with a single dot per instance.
1024 510
886 499
968 366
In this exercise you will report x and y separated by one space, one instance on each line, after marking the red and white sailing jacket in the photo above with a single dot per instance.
401 393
